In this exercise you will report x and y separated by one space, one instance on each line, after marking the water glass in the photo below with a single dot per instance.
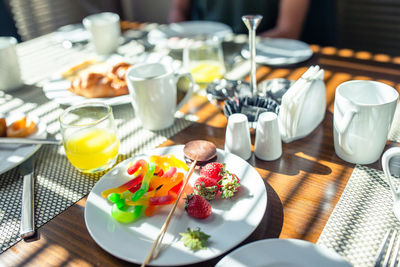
10 74
203 58
105 31
89 136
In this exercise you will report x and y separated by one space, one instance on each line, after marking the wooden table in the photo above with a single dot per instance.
296 183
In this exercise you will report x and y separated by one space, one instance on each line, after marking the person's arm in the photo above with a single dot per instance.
179 11
291 17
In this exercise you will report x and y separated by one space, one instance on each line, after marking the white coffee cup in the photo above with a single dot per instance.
387 159
237 137
268 144
153 88
10 74
105 31
363 114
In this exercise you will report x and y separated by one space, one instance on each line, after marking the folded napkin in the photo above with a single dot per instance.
303 105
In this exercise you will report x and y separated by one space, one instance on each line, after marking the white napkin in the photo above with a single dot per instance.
303 105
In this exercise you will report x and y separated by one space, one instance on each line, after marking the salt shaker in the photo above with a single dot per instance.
268 144
237 138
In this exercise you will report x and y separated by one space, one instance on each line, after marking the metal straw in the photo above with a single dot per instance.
252 22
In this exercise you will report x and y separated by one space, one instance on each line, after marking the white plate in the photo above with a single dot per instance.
282 253
279 51
174 35
57 89
11 155
231 222
74 33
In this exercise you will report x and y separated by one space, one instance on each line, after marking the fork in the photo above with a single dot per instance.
385 252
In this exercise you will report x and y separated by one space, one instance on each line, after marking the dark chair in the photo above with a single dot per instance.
37 17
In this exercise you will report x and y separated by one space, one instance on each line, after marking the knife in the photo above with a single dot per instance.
27 228
30 141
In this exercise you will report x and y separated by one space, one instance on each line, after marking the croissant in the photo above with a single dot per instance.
110 84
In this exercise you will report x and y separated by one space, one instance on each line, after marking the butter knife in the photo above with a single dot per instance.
27 228
29 141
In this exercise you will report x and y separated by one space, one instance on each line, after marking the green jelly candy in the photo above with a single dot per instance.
120 203
126 215
114 197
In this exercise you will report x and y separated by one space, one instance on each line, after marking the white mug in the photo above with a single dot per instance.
10 74
389 155
105 31
153 88
363 114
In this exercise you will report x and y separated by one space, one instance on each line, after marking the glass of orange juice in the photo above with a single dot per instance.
203 58
89 136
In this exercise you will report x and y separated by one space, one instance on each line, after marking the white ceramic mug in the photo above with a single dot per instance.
363 114
105 31
387 157
153 88
10 74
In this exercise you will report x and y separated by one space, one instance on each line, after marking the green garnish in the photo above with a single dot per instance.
195 239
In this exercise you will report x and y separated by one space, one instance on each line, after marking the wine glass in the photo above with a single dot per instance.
203 58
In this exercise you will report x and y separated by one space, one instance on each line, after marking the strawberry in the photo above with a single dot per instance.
206 187
229 184
214 170
197 206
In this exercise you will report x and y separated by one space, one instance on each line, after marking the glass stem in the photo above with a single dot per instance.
252 22
252 48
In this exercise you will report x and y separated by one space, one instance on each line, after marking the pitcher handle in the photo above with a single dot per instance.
189 93
390 153
342 127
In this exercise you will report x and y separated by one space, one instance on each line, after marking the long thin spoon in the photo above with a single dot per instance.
164 228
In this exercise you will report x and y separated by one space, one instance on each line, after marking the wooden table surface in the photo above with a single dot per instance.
296 183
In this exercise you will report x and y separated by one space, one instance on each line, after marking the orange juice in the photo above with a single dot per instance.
92 149
206 71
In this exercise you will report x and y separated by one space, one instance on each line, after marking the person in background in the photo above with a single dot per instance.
282 18
309 20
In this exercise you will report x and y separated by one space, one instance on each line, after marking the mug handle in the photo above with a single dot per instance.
342 127
390 153
189 93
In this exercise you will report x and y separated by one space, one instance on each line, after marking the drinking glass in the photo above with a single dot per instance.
105 31
89 136
203 58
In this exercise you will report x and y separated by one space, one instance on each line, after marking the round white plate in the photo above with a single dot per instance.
174 35
279 51
230 223
57 89
282 253
11 155
74 33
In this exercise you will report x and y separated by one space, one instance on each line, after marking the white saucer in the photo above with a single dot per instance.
174 35
279 51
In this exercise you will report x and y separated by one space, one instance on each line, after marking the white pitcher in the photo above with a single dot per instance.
153 89
363 114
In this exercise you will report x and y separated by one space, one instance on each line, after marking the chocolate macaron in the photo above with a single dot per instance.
205 152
